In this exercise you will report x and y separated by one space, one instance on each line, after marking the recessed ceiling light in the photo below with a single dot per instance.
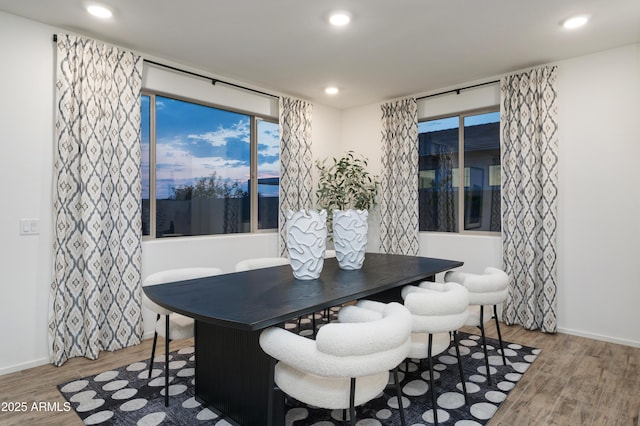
99 11
340 19
331 90
575 22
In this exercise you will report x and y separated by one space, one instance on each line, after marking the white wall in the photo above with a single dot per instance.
599 230
26 169
599 190
361 132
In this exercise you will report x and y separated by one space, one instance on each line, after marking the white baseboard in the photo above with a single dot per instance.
600 337
23 366
43 361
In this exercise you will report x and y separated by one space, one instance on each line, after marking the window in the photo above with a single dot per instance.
460 151
206 170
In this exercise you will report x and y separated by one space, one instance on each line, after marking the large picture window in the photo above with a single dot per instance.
206 170
461 151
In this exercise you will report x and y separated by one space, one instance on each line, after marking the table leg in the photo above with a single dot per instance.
233 375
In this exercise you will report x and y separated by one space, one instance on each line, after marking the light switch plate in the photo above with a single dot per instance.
29 226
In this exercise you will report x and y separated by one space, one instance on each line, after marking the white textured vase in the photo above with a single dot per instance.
350 237
306 242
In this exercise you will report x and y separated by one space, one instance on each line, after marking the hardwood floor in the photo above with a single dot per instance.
574 381
39 384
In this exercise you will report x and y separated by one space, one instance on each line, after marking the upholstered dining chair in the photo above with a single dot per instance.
174 326
436 311
347 364
260 262
487 289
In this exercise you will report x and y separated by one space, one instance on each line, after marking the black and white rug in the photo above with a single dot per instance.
126 396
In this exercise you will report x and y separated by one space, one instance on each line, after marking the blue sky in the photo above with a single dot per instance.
193 141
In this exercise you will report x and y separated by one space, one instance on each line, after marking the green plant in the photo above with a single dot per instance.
213 186
346 184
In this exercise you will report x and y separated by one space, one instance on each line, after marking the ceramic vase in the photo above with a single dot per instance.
350 237
306 242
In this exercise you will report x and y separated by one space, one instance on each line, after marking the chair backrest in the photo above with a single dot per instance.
384 341
173 275
260 262
180 274
346 349
436 307
489 288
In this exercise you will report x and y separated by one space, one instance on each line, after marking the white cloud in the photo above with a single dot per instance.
178 164
269 169
272 142
219 137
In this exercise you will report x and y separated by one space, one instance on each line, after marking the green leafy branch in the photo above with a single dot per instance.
346 184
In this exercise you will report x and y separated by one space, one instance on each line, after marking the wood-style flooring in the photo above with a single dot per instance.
574 381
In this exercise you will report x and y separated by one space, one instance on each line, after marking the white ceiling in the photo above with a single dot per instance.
393 48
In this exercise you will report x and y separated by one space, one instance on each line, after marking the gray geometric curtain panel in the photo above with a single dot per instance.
399 210
529 121
95 300
296 163
446 195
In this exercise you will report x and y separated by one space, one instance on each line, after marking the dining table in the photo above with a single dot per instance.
233 376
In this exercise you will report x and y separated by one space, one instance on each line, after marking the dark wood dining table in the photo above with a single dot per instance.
233 376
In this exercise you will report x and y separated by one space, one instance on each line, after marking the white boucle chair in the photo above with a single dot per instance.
436 311
174 326
260 262
488 289
347 364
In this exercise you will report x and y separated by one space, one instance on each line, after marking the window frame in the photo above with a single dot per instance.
461 166
253 160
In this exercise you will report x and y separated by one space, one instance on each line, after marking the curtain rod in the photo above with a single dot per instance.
457 91
213 80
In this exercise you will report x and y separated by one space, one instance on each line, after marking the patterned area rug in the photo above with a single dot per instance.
126 397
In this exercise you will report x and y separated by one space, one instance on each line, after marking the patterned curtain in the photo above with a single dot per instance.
399 209
529 196
445 195
296 183
95 301
496 213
